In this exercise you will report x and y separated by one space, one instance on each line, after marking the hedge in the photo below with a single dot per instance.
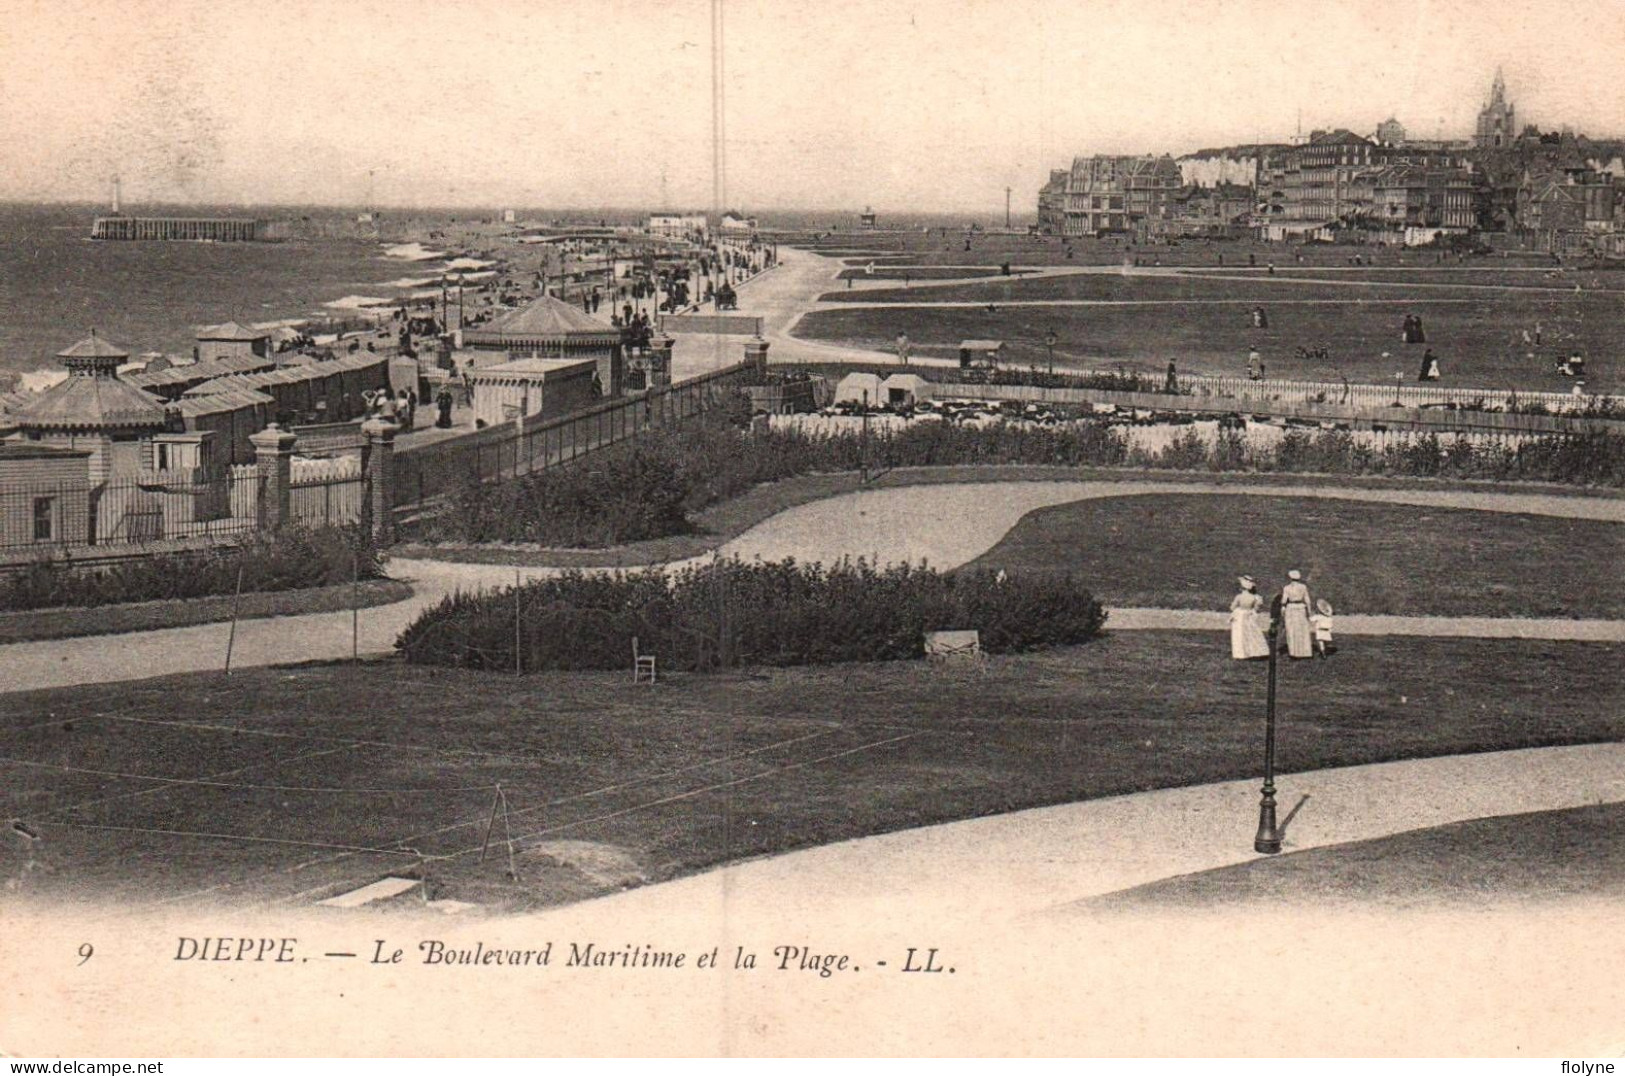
654 486
288 560
728 613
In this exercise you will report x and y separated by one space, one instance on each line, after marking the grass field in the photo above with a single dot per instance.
935 249
613 785
1476 309
919 273
1363 558
1113 286
1536 857
1478 340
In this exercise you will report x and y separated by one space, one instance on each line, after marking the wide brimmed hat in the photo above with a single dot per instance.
1294 575
1248 582
1324 606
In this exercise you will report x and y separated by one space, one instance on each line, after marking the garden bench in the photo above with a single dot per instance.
947 645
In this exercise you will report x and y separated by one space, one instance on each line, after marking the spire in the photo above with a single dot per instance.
1498 90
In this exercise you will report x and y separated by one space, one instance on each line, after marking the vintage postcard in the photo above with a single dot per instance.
812 528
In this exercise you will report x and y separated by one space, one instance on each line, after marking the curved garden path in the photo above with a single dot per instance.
1046 860
943 525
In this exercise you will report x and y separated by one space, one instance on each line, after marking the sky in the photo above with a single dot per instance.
927 105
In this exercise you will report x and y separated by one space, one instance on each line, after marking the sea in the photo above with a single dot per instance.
56 284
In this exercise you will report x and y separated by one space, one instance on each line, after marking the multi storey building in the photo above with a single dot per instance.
1333 178
1117 194
1415 204
1052 203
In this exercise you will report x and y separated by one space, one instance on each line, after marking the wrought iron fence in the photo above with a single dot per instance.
535 443
168 510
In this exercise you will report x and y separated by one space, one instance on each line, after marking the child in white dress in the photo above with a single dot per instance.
1322 623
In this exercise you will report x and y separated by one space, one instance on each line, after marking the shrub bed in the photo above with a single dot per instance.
728 613
288 560
60 623
652 487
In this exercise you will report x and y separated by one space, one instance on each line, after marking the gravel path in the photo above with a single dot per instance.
1043 862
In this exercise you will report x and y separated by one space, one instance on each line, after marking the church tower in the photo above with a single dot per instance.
1495 119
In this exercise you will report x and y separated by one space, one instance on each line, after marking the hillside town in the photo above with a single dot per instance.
1504 188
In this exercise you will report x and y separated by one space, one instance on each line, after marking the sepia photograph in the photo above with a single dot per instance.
812 528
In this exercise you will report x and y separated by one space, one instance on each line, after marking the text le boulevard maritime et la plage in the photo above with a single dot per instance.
805 958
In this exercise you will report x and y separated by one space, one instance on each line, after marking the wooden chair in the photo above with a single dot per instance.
641 663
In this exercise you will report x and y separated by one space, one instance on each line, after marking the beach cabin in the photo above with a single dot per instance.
860 389
979 358
905 390
508 391
231 341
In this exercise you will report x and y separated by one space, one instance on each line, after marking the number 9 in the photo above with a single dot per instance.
85 952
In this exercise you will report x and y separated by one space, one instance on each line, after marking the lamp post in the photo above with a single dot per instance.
1049 342
1268 840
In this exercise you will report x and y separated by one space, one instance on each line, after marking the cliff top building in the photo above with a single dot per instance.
1390 132
1496 118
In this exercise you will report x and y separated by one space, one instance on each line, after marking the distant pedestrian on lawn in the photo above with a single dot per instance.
1255 365
1295 616
1247 641
1171 384
1430 367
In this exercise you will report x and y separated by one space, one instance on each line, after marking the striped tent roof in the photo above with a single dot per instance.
548 318
231 330
91 403
286 375
231 400
191 373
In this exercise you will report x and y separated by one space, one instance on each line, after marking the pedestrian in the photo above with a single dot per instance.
1430 367
1247 641
1294 599
1171 383
1322 622
442 404
1255 365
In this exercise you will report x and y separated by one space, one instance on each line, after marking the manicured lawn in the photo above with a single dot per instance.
611 784
1112 286
935 249
1478 339
1362 557
147 616
915 273
1606 279
728 519
1541 856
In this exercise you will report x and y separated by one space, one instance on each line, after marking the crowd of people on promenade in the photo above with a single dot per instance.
1303 624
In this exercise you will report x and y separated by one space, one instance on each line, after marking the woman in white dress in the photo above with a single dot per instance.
1246 637
1295 616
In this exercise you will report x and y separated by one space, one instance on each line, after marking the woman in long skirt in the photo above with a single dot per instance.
1246 637
1295 616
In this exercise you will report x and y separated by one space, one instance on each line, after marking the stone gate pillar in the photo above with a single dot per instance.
657 370
273 455
378 505
756 359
